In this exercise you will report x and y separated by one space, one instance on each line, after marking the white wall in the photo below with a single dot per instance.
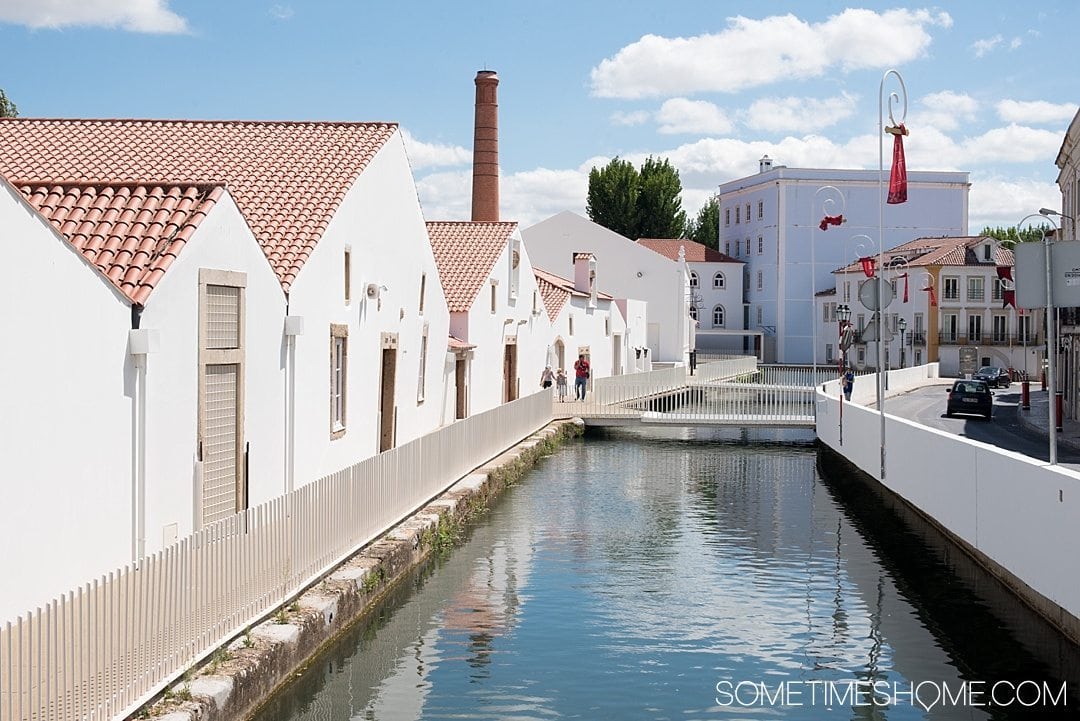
381 219
635 315
624 270
594 329
65 431
1018 511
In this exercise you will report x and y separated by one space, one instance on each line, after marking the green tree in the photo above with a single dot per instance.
659 201
643 203
705 228
7 108
613 194
1012 235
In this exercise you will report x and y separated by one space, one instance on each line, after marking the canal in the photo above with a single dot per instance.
686 574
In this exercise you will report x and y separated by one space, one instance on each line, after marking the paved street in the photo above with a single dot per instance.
927 406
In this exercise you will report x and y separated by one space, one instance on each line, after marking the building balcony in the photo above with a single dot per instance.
1008 339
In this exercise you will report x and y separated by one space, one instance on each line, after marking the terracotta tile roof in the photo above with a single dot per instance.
465 252
952 251
823 293
455 343
556 290
583 256
695 251
132 233
287 178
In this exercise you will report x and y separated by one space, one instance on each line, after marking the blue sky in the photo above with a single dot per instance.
711 85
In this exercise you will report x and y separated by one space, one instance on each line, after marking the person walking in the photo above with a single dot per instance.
560 385
581 377
547 378
849 382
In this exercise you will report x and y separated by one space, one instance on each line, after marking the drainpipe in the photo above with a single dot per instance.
294 326
141 343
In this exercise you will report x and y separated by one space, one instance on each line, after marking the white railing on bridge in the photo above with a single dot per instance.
724 369
102 650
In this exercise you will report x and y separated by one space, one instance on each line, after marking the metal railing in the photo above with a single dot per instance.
106 648
946 338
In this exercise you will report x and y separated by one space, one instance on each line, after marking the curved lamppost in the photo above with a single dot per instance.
830 198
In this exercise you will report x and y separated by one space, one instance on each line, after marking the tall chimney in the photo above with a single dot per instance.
485 178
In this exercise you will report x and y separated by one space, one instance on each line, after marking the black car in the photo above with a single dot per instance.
970 397
995 376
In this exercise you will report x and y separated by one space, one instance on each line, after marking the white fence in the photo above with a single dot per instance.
1018 511
105 649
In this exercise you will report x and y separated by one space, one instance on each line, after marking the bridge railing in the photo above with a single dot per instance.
722 369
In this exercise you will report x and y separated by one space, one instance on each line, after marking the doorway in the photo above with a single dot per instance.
560 354
460 373
510 379
616 355
387 410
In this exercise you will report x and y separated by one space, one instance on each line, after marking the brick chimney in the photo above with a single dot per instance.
485 181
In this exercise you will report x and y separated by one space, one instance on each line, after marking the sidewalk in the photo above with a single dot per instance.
1037 419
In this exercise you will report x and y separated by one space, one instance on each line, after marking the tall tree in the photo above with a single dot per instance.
1012 235
705 228
7 108
637 204
613 194
659 202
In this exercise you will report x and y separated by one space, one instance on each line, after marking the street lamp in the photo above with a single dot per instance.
902 324
843 315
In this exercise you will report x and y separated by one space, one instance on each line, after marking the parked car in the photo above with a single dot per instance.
970 397
995 376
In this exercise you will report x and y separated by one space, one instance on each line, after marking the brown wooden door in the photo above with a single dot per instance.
386 400
460 367
510 372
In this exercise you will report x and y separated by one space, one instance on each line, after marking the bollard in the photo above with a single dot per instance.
1025 395
1058 402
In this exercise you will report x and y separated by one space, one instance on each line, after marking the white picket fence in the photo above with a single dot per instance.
101 651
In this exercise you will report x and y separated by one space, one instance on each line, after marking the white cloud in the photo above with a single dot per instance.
636 117
680 115
144 16
432 155
945 110
739 56
1035 111
281 12
807 114
1015 43
982 47
995 200
527 197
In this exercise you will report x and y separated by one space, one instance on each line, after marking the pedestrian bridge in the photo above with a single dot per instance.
727 392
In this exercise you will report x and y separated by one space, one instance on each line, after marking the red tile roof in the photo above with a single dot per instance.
954 251
465 253
132 233
695 251
287 178
556 290
455 343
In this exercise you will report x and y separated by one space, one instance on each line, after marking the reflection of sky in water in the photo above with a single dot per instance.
623 579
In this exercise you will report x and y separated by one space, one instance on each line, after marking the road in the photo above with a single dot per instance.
927 406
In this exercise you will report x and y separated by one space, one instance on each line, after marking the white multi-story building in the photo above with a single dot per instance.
1068 180
771 221
969 308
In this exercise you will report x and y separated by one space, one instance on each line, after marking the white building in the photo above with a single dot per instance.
627 270
771 221
717 292
1068 180
496 308
285 321
971 309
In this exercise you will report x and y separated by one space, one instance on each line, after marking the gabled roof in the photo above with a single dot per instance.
132 233
287 178
695 252
556 290
945 251
465 253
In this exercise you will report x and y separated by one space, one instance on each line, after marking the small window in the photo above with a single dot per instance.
423 366
736 215
718 316
607 326
747 212
737 244
693 279
760 280
693 312
975 288
760 245
727 247
727 216
760 209
348 275
339 349
951 289
423 288
759 315
747 247
829 353
988 252
494 300
536 304
570 320
718 280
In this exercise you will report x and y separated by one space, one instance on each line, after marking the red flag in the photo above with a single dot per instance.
898 176
830 220
1008 297
933 296
867 266
1004 272
905 277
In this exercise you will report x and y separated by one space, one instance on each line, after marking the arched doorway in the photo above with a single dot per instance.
560 354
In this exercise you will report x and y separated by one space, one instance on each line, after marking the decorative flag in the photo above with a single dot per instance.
830 220
905 277
1004 272
933 296
867 266
1008 297
898 176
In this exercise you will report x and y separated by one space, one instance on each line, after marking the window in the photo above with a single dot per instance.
997 289
861 355
918 322
974 328
949 327
727 216
718 280
736 215
760 209
737 244
847 291
918 357
607 326
694 279
339 349
747 212
1001 328
693 312
1023 329
423 366
760 245
423 287
988 252
860 322
748 247
760 280
829 353
825 312
570 320
718 316
759 315
493 298
727 247
975 288
348 275
951 289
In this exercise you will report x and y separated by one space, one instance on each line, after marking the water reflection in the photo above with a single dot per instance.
632 572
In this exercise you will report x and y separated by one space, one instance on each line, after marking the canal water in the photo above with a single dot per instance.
692 574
